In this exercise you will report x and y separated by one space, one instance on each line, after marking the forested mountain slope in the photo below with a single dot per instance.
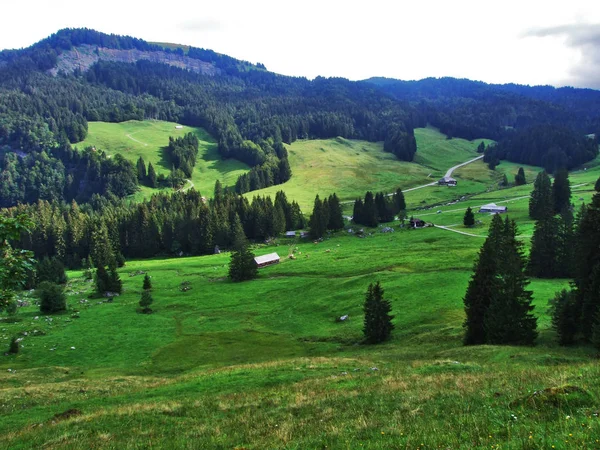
51 90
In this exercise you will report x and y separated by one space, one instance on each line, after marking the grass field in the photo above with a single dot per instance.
350 168
147 139
264 364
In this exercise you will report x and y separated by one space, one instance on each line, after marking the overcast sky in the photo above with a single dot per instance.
525 41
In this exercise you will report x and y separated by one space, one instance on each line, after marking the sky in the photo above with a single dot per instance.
526 41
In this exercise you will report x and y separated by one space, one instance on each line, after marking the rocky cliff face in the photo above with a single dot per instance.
82 58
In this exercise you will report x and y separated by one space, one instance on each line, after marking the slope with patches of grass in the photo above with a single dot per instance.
147 139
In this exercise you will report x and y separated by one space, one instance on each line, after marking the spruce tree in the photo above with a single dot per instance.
336 219
509 319
497 304
597 186
114 281
369 213
520 177
101 280
147 283
399 203
52 297
541 202
141 170
152 182
318 220
561 191
242 266
357 212
483 286
469 219
145 301
544 256
378 324
565 316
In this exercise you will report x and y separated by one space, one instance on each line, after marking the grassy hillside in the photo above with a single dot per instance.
264 364
148 138
350 168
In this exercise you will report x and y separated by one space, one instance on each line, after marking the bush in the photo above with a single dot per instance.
52 298
52 270
14 346
146 301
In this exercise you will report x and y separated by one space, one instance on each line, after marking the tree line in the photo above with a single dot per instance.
178 223
378 208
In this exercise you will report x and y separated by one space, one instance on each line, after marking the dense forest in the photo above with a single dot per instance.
174 224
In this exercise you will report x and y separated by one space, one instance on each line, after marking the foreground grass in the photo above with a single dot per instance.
264 364
148 139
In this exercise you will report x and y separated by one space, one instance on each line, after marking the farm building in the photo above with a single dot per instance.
447 181
416 223
267 260
178 127
290 234
493 208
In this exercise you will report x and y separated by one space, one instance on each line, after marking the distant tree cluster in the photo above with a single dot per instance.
167 224
576 313
378 208
182 153
326 216
498 306
550 146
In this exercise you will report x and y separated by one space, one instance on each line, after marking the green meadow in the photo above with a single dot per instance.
351 167
265 363
147 139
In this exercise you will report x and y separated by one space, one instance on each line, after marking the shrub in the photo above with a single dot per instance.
52 298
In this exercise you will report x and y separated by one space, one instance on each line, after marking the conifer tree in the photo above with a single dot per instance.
101 280
520 177
565 317
152 182
544 257
357 212
147 283
561 191
145 301
399 203
114 280
369 213
378 324
483 286
597 186
141 170
52 297
318 220
469 219
497 304
541 202
509 319
242 266
336 220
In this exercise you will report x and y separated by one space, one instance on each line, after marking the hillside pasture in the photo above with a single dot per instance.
148 139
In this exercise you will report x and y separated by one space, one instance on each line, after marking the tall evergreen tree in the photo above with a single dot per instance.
369 213
399 203
484 285
147 285
509 319
520 177
561 191
152 182
597 186
318 219
378 324
469 219
541 203
145 301
141 170
497 304
336 220
242 266
543 257
357 212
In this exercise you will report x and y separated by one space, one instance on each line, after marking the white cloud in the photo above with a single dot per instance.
356 40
